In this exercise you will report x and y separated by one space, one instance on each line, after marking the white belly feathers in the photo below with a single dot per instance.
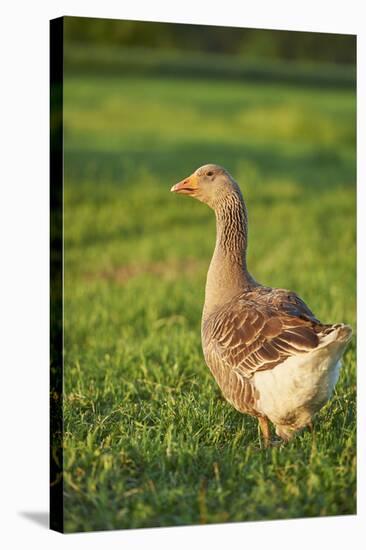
292 392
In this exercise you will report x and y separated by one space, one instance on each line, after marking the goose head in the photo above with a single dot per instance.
210 184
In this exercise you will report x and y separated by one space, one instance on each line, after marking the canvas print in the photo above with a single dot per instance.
203 318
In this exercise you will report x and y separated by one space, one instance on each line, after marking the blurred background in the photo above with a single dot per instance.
148 441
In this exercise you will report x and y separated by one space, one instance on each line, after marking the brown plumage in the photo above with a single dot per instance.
270 355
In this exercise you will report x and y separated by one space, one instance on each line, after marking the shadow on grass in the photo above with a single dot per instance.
319 167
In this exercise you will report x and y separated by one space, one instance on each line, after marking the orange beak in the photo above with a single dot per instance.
187 186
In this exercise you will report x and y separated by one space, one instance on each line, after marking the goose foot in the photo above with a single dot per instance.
264 426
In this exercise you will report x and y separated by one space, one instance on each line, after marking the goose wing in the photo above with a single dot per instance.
250 335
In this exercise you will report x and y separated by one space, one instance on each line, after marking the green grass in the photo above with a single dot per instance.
116 59
148 439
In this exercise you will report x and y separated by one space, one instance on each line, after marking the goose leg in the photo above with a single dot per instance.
264 426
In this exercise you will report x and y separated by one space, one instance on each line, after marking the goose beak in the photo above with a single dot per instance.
187 186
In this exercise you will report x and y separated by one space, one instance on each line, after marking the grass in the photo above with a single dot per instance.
112 59
148 439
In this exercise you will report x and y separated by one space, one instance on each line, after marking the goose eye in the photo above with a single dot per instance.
209 174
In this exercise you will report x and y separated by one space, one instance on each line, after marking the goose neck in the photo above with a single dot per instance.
228 275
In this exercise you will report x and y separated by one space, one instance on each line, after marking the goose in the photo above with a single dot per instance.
269 354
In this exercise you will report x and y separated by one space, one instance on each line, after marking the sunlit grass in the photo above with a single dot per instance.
148 439
103 112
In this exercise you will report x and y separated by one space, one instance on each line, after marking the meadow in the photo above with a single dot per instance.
148 439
